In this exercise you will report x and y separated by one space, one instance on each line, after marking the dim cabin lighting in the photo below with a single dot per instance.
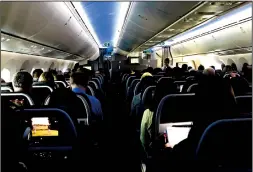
78 6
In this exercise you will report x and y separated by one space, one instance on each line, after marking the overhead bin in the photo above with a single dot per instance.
54 25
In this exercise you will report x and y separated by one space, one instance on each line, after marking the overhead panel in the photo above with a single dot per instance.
53 24
199 15
146 19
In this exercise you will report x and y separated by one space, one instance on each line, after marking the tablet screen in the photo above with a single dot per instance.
41 127
176 132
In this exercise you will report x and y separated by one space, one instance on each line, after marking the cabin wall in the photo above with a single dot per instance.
13 62
210 59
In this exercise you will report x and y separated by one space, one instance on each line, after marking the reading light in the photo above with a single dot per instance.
78 6
124 6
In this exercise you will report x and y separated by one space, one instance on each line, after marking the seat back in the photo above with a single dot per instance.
41 92
148 94
129 80
226 144
175 108
192 88
90 91
6 89
136 89
244 104
7 97
61 84
130 90
97 82
180 85
93 85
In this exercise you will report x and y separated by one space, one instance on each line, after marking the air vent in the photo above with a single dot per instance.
205 13
142 17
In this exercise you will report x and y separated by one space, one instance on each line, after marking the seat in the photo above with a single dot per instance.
67 133
175 108
41 92
180 85
90 91
136 89
192 88
162 78
129 80
97 82
61 84
28 101
157 77
6 89
130 90
93 85
148 94
244 104
226 145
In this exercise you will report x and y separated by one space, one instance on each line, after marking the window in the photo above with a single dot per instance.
6 75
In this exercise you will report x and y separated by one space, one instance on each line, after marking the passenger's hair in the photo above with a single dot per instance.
37 73
212 67
146 82
209 72
46 77
79 78
201 67
150 69
145 75
184 67
234 67
215 98
228 68
164 87
22 80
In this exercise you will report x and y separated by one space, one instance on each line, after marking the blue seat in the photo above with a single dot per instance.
244 104
226 145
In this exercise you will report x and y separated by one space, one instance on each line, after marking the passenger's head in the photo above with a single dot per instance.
212 67
22 82
201 68
209 72
37 73
79 79
164 87
150 69
234 67
157 70
166 62
46 77
215 98
189 68
145 75
146 82
244 66
184 67
222 66
227 68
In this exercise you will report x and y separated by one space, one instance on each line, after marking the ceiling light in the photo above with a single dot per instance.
171 29
122 11
42 48
35 46
31 45
2 39
7 39
81 11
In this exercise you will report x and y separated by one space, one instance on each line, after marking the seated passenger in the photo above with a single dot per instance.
213 67
22 83
163 88
201 68
209 71
79 83
234 67
215 100
137 108
46 78
36 74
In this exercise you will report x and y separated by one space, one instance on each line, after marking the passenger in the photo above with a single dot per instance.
156 71
215 99
163 88
137 106
213 67
22 82
201 68
46 78
209 72
184 67
166 64
234 67
150 69
189 68
222 66
36 74
79 83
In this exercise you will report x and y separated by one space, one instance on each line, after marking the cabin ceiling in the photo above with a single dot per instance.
55 29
